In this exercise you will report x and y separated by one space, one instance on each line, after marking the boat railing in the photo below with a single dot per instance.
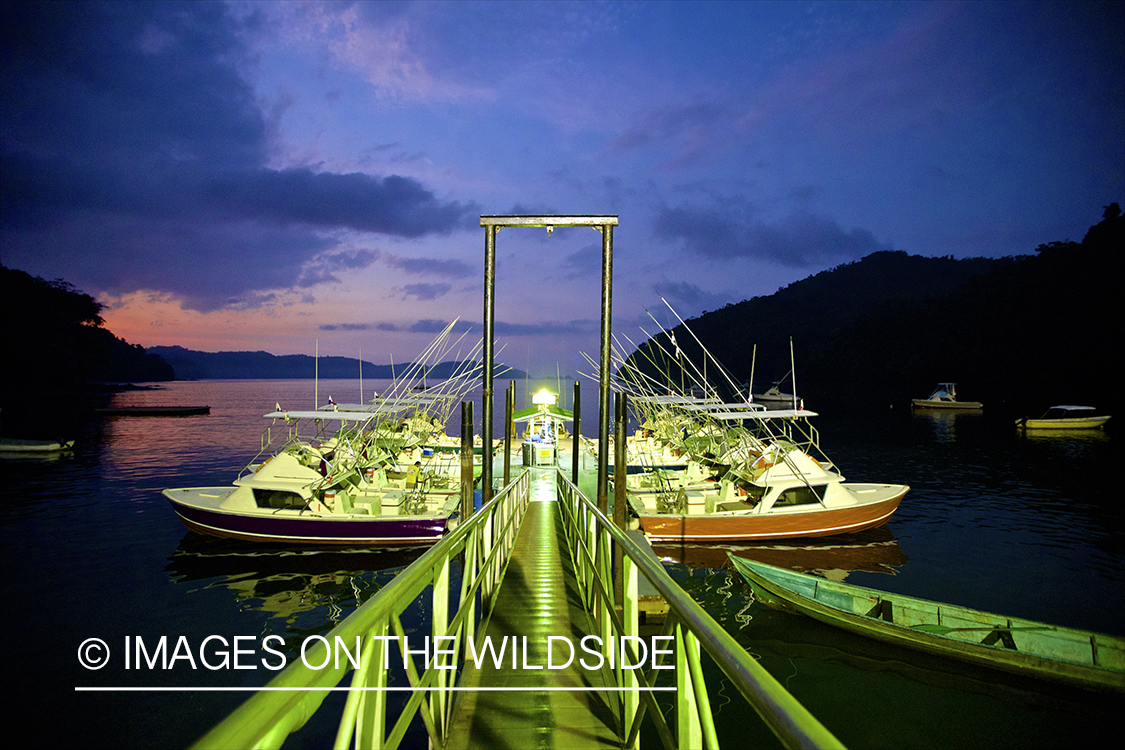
598 547
483 544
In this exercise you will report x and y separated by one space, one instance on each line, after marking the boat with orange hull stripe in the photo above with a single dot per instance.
756 475
872 506
750 474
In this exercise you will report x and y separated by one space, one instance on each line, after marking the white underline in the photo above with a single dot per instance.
371 689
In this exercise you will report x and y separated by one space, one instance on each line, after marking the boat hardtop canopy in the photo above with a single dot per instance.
1064 411
736 406
944 390
674 400
548 410
762 414
359 412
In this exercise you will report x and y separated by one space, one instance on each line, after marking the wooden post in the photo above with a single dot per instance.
509 410
467 460
576 449
619 471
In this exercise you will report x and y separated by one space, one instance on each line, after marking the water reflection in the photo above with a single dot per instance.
944 422
874 550
1064 437
286 582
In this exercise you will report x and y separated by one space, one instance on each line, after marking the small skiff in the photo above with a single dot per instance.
15 445
1066 417
1026 647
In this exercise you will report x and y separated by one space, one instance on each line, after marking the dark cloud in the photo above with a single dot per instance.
732 231
391 205
549 328
323 268
689 296
552 328
425 292
133 155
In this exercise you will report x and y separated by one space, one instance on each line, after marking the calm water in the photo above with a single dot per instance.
996 521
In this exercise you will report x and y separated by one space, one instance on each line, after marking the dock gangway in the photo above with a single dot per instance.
540 547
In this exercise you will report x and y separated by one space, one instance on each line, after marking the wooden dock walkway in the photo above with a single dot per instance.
537 708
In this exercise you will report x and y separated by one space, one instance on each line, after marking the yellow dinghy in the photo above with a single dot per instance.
1066 417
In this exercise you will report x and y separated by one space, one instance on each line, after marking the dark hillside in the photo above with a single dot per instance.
812 309
54 338
195 365
1017 331
58 358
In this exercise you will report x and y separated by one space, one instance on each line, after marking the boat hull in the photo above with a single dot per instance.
11 445
725 527
925 403
304 527
1026 647
1078 423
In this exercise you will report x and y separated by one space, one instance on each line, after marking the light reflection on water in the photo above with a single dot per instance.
995 520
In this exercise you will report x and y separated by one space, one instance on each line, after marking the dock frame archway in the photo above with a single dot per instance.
603 224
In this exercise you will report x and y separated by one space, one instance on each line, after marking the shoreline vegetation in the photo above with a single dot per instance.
1018 331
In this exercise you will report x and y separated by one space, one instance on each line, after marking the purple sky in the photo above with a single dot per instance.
230 176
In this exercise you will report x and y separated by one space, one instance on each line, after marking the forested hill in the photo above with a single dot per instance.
54 337
1023 332
192 365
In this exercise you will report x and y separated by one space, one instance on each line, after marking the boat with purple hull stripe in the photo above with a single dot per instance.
215 511
366 485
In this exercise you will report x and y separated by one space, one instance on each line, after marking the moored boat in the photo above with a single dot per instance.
35 447
359 520
945 397
1066 417
370 482
1026 647
751 473
759 485
775 398
359 487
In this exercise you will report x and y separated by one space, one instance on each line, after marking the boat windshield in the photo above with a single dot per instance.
1062 412
807 495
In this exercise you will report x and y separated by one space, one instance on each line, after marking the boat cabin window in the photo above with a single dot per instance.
754 493
801 495
278 499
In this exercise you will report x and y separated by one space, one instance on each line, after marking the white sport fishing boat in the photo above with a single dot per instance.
765 484
752 474
945 397
367 482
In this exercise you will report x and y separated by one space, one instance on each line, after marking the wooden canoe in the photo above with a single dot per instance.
1026 647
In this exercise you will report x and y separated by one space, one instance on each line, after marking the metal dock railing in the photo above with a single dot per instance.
537 572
